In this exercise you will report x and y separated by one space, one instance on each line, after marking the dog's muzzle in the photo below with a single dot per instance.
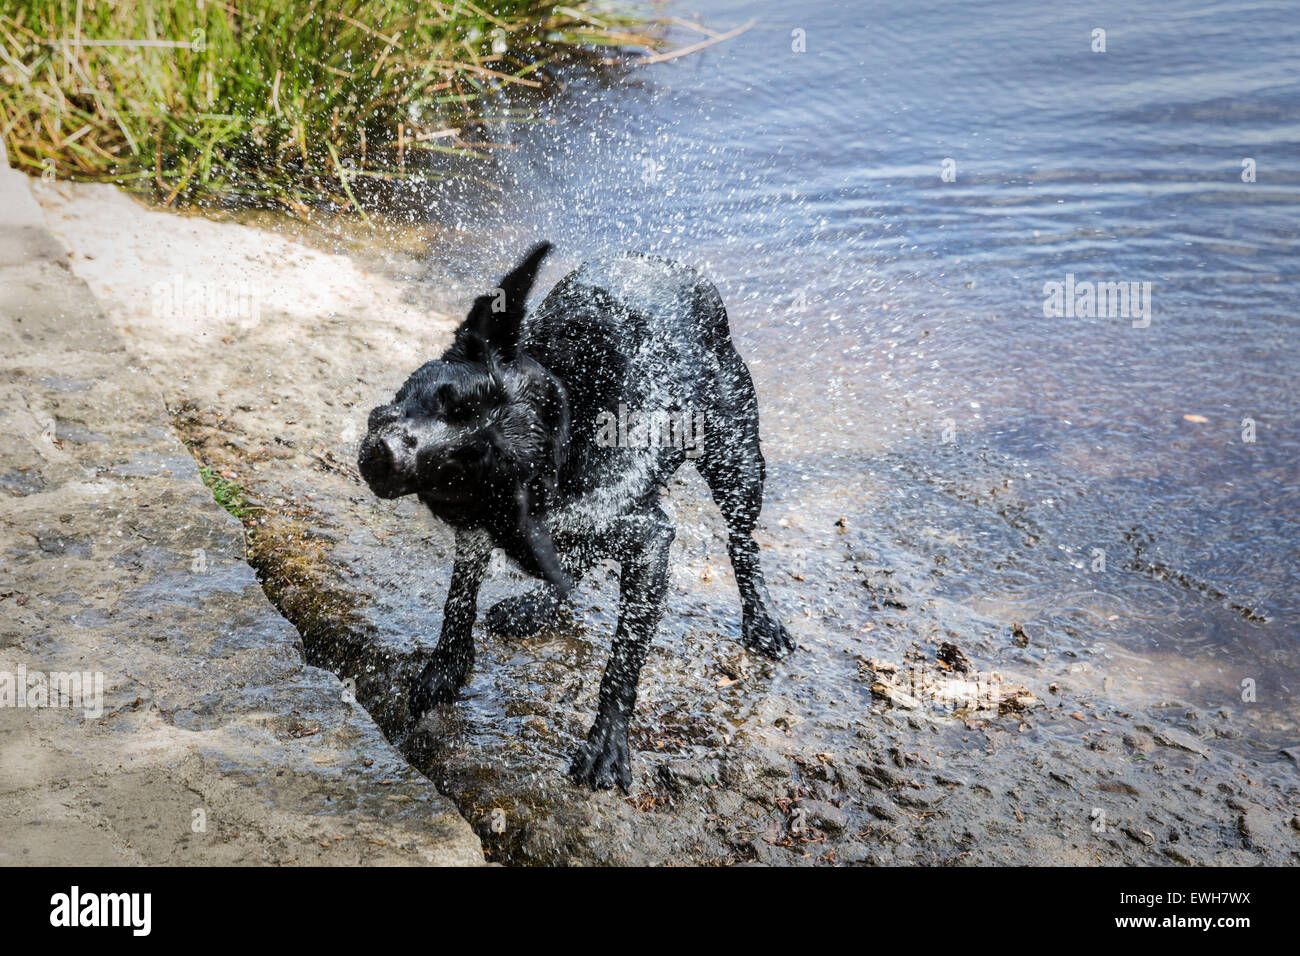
385 461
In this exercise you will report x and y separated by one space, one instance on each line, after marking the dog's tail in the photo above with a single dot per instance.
494 321
710 313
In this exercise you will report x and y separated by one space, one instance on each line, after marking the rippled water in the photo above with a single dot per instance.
1087 477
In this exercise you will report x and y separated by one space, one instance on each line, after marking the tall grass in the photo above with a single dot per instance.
272 102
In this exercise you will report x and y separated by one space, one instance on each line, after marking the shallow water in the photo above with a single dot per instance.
1086 477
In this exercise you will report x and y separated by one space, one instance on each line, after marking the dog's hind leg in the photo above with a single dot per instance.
732 465
604 758
452 659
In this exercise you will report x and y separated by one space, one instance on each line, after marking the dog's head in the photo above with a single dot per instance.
442 437
479 434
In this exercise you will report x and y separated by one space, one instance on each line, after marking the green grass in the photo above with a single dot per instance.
293 103
228 494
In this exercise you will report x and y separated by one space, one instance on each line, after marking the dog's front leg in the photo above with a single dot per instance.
604 759
452 659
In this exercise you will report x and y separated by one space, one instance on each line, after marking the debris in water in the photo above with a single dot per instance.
952 656
298 728
909 687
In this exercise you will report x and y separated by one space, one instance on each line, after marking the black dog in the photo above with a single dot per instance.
550 439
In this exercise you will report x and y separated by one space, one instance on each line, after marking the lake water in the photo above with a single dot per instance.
883 212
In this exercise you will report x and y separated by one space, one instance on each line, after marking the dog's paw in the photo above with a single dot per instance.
767 636
603 760
523 615
437 684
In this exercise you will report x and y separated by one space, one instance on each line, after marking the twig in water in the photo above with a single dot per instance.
692 48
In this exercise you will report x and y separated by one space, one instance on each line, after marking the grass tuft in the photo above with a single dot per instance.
274 102
229 494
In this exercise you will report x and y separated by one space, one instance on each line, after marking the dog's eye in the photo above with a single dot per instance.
445 403
464 404
453 404
461 408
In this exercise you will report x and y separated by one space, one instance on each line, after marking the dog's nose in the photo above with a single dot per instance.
375 458
381 455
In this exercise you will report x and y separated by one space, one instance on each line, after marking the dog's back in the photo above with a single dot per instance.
635 335
633 328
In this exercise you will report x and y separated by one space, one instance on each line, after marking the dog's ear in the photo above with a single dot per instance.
524 537
495 319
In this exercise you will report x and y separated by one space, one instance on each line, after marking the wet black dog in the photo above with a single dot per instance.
550 439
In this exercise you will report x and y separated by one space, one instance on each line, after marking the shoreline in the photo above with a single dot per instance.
273 402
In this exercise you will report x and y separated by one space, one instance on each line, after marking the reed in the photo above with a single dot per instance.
276 102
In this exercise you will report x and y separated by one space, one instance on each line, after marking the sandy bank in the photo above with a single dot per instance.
198 734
